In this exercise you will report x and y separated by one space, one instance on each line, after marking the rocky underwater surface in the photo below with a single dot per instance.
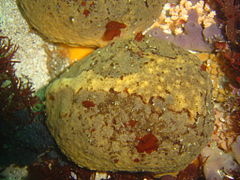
29 151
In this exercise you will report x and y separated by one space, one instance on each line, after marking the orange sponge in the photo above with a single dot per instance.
75 53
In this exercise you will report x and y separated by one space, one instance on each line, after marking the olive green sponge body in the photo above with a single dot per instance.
132 106
90 22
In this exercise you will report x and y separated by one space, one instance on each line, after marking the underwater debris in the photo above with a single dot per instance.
15 94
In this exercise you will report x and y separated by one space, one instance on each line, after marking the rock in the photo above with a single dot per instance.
90 23
132 106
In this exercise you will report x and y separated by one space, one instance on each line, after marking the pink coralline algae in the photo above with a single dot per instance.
194 37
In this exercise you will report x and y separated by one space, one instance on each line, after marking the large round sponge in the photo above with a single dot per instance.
132 106
90 22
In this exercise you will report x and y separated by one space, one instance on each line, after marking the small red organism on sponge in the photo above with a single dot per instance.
88 104
139 36
147 143
83 3
86 12
113 29
131 123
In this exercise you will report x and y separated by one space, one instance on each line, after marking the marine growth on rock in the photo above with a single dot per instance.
146 108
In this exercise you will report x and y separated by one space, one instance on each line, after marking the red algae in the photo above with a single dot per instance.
139 36
113 29
83 3
147 143
14 93
131 123
86 12
88 104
